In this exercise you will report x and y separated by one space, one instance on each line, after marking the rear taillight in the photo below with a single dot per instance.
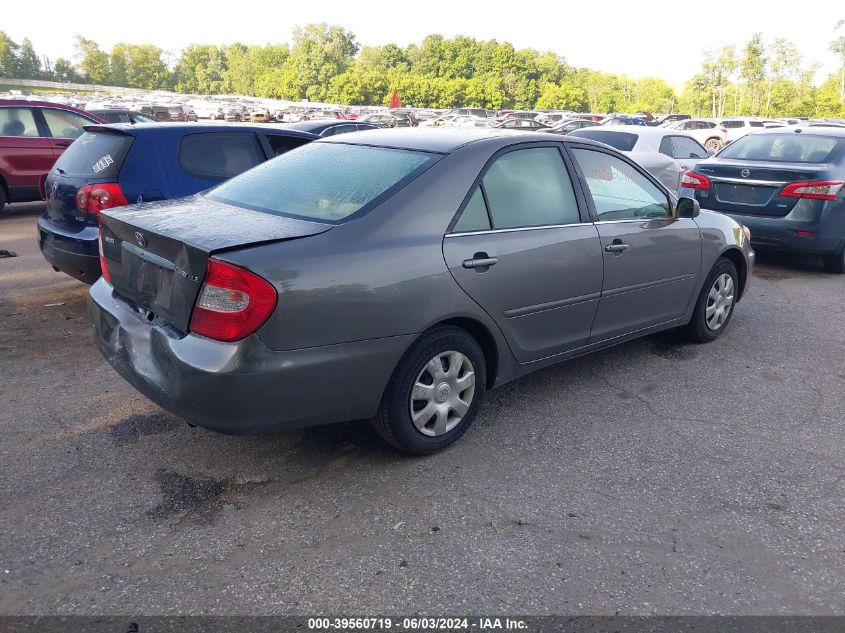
103 266
813 189
233 303
692 180
95 198
724 130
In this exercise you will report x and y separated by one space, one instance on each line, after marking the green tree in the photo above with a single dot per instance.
320 52
8 56
29 65
64 70
838 47
753 73
93 62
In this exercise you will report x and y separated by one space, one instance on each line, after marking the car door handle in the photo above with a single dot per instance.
617 247
480 262
63 143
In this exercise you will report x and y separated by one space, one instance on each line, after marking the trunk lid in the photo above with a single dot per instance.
157 253
95 157
753 187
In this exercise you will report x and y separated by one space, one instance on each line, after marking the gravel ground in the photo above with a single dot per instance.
654 478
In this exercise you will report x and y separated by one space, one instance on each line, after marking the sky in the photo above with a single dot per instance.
636 39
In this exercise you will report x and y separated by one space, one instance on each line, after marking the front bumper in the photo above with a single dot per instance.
244 386
75 254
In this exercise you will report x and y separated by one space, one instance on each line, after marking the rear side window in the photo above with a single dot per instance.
64 124
623 141
756 124
282 144
732 124
474 216
95 155
17 122
530 187
326 182
219 155
783 148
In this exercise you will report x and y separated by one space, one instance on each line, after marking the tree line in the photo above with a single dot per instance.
325 63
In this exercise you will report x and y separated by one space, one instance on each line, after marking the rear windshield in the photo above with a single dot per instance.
327 182
623 141
782 148
95 155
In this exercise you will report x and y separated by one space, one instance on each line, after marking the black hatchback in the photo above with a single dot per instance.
785 185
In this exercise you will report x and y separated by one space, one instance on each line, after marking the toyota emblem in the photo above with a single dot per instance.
744 173
142 241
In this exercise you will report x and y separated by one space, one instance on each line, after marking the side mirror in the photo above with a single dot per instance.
688 208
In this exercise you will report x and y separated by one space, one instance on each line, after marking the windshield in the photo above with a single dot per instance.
782 148
623 141
326 182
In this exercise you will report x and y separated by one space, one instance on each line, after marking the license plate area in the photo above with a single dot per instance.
756 195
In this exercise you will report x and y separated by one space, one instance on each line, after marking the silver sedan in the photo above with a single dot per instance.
664 152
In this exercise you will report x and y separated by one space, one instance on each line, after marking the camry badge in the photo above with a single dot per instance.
745 173
142 241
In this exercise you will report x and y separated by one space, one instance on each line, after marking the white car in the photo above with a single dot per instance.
740 126
709 133
666 153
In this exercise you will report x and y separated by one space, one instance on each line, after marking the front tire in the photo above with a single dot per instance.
434 393
835 263
715 305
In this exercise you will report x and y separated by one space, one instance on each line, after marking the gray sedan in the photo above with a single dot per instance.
665 152
399 275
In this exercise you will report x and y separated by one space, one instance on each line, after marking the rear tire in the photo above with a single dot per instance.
715 305
434 393
835 263
713 143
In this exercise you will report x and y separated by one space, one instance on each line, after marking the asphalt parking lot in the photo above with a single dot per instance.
657 477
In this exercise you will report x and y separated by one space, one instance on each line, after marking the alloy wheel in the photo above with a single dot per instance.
442 393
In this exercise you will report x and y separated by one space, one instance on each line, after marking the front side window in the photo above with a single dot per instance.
618 190
17 122
217 156
530 187
299 183
64 124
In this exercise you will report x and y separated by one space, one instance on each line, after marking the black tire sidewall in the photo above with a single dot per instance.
698 328
405 434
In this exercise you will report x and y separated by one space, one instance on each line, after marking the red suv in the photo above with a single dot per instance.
33 134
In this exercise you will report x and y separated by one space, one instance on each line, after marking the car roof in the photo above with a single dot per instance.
22 103
195 128
443 140
319 125
812 130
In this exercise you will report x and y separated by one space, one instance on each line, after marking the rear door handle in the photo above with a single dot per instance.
62 143
617 248
480 262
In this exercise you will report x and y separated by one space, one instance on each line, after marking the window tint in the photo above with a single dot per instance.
684 147
732 124
619 191
340 129
17 122
64 124
623 141
219 155
95 154
300 184
530 187
282 144
756 124
474 216
785 148
666 146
